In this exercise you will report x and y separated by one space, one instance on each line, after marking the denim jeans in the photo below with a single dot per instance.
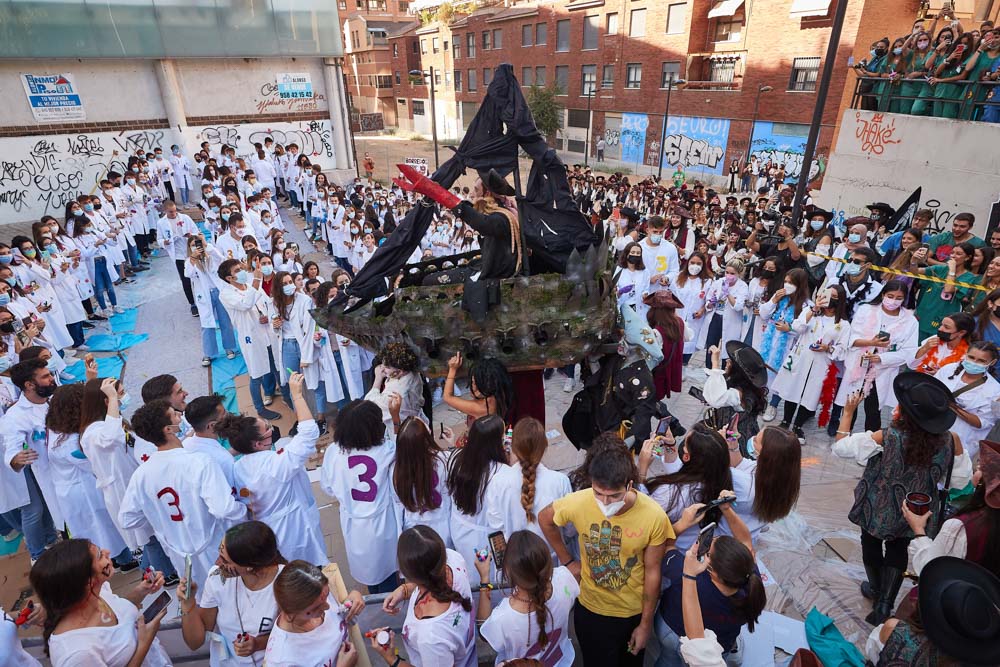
670 647
293 198
185 195
36 522
102 283
10 521
316 222
76 332
154 556
266 382
291 357
223 324
133 255
389 585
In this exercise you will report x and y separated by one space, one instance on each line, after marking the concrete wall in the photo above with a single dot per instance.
885 157
225 87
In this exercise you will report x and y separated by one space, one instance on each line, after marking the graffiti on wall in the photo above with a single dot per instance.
784 143
314 137
694 142
269 101
633 136
39 175
875 133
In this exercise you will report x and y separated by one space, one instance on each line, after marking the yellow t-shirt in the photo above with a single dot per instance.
611 549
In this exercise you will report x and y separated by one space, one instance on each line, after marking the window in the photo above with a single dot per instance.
456 49
590 31
633 75
413 46
588 79
728 29
667 70
401 102
498 39
527 34
527 76
418 107
540 76
423 46
399 80
444 46
472 80
562 35
577 118
470 44
404 6
487 38
342 5
637 23
458 80
677 18
804 73
611 24
541 33
361 4
562 78
608 76
435 44
447 78
723 71
437 77
487 75
395 50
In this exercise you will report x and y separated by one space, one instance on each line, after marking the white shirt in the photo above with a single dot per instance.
950 541
978 401
514 634
444 640
660 259
361 481
316 648
173 234
23 423
187 502
112 646
439 518
238 610
214 450
12 654
503 502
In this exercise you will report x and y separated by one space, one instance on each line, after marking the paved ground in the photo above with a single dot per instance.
813 556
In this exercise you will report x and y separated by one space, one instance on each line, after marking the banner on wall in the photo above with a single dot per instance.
54 98
696 143
418 163
633 136
783 143
294 86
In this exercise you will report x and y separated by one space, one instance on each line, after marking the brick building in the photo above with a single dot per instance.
731 53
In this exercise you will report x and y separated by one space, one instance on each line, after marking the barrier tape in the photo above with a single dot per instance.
918 276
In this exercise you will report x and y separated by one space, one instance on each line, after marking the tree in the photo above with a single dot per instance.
445 13
546 109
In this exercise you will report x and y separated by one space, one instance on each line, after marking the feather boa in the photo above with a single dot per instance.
827 394
785 312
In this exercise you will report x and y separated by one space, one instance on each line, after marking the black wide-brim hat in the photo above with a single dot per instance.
960 609
496 183
749 361
925 400
814 212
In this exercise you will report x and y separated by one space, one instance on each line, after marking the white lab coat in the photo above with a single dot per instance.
356 360
82 504
471 532
329 374
978 401
185 500
281 495
302 326
173 234
214 450
439 518
868 320
67 289
504 511
732 313
55 320
693 294
113 464
245 307
800 377
202 283
19 423
181 176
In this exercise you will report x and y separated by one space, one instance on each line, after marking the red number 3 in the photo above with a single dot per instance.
175 503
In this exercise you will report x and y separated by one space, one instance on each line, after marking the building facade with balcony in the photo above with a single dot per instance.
612 60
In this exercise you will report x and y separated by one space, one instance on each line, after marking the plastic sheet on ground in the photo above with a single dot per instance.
107 367
224 372
124 322
115 342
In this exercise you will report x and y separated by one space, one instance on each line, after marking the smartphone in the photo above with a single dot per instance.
663 426
17 324
159 604
718 502
187 569
705 536
697 393
498 545
882 335
199 244
959 50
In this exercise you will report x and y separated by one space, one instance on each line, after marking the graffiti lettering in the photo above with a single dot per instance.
219 136
611 137
44 147
941 219
681 149
271 101
14 198
875 134
145 140
653 156
84 145
371 122
792 162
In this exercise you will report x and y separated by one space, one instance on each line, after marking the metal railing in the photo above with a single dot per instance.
885 95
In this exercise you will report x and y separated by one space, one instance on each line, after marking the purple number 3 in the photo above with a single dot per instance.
367 477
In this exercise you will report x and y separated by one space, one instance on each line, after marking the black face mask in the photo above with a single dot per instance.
944 336
8 327
634 260
767 273
879 52
996 311
275 434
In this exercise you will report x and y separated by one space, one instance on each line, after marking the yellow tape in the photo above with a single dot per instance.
918 276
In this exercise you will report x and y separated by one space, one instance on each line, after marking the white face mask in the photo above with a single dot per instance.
694 269
610 509
789 289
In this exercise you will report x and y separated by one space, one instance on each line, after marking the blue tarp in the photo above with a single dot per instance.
107 367
114 342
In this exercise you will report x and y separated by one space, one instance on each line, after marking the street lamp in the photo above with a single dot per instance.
761 88
429 74
672 81
590 96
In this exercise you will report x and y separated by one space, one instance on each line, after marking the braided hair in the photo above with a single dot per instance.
528 566
423 559
529 445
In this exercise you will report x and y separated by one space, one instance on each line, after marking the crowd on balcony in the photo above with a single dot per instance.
942 71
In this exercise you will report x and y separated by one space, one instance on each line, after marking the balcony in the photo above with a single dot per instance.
716 71
972 99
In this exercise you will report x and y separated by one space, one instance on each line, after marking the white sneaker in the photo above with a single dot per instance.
230 354
268 400
438 396
12 536
684 373
770 413
206 361
118 309
568 385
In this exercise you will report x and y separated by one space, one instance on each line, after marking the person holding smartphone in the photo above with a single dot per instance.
730 589
87 624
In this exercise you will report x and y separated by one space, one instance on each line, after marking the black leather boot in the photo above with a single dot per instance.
891 580
870 589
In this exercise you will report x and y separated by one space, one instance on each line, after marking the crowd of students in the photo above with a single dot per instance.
652 544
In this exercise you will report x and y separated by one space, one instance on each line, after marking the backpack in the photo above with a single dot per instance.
581 423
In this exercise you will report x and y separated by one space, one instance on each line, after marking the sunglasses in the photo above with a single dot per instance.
859 261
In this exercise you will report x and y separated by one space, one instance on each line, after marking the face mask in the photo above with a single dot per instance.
944 336
896 51
267 269
123 401
243 277
892 304
350 214
854 238
4 299
878 52
6 259
923 44
355 230
281 246
145 170
4 363
634 259
265 221
368 230
288 289
974 368
767 273
611 509
52 248
10 281
86 207
731 279
823 249
752 448
817 224
789 289
852 269
135 170
130 181
694 269
7 327
30 253
225 216
655 238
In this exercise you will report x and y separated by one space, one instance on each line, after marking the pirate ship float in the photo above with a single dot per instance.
561 306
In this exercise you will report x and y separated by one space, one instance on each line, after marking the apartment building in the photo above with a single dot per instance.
747 66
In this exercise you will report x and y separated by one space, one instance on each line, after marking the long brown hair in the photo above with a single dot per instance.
63 416
297 586
282 303
529 444
778 474
413 474
919 446
684 276
61 579
528 566
982 312
667 320
423 559
95 403
800 279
